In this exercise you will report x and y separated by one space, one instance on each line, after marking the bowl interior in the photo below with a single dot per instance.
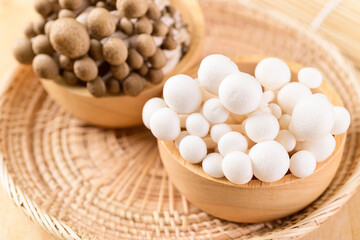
247 64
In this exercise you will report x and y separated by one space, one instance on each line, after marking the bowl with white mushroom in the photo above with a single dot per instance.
249 139
102 60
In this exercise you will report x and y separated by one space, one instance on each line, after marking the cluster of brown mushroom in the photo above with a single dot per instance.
111 46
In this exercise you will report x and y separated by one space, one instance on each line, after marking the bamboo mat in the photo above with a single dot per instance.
74 178
337 20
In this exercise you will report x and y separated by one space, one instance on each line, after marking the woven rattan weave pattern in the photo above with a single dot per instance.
83 182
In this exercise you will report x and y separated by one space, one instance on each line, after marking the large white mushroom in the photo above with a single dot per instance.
240 93
182 94
213 69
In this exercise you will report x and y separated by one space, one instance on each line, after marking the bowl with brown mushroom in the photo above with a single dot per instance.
101 60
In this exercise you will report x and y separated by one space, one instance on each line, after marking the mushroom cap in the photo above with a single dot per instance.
193 148
237 167
311 77
273 73
196 124
150 107
262 126
240 93
165 124
312 118
219 130
213 70
321 148
212 165
214 111
69 37
232 141
287 139
270 161
290 94
342 120
182 94
302 164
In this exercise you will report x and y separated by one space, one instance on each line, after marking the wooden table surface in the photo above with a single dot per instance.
14 225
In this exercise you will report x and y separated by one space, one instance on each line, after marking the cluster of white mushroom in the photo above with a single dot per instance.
240 126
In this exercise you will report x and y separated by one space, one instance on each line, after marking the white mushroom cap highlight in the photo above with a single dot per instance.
165 124
180 137
302 164
262 126
193 148
342 120
284 121
182 94
196 124
150 107
214 111
213 69
321 148
232 141
237 167
311 77
287 139
273 73
240 93
312 118
291 94
212 165
218 130
270 161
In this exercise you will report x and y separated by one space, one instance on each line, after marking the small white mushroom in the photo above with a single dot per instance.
165 124
311 77
287 139
237 167
262 106
284 121
291 94
240 93
312 118
270 161
197 125
232 141
261 126
268 96
214 111
212 165
321 148
213 69
180 137
273 73
275 110
342 120
302 164
219 130
193 149
182 94
150 107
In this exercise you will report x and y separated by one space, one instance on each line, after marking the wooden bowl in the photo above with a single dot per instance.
255 201
125 111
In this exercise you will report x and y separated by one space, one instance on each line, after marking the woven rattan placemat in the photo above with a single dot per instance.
83 182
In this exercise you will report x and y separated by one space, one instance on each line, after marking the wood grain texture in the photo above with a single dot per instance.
14 225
